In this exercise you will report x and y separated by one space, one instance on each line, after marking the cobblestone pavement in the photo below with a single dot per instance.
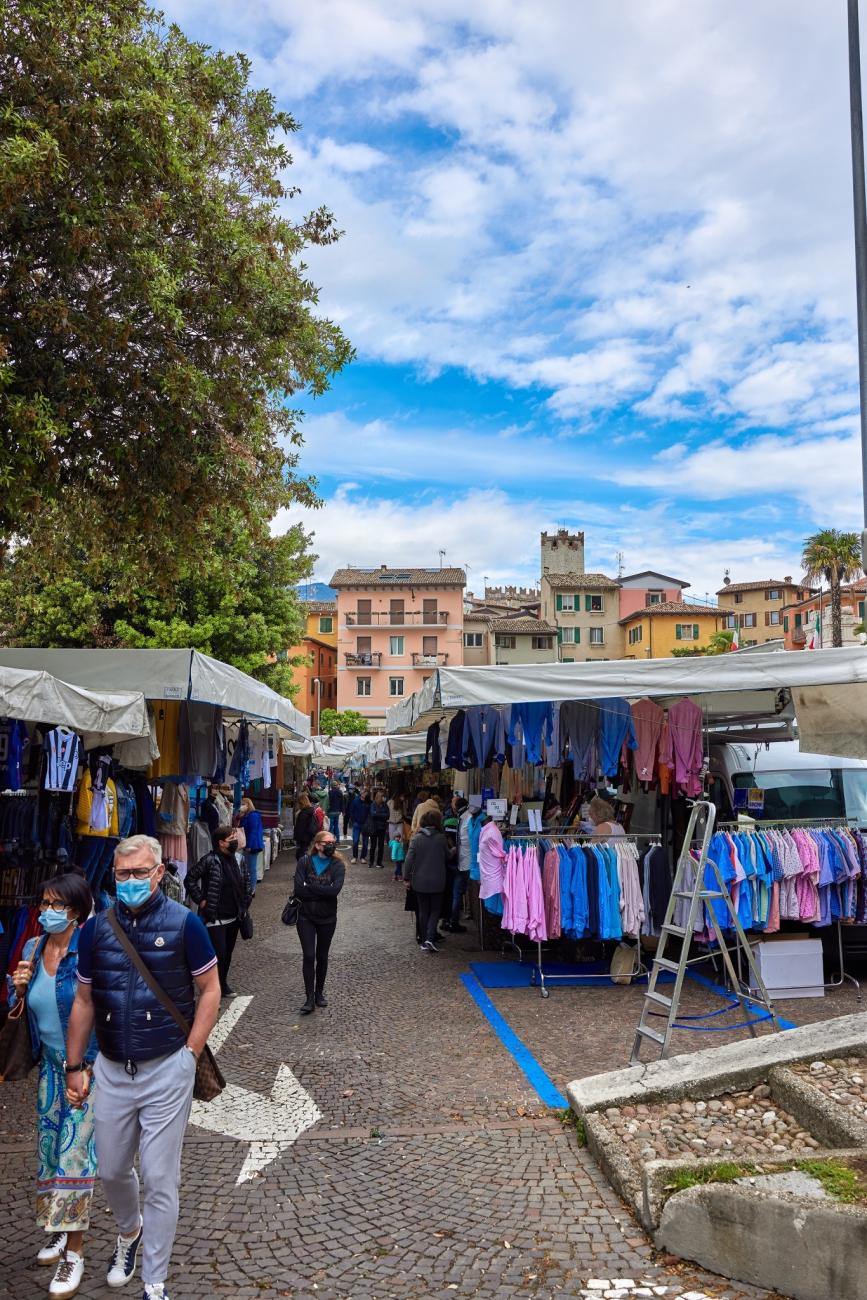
434 1171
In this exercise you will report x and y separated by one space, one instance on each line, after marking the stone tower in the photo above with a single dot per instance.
563 552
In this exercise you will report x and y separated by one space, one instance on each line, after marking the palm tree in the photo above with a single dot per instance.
836 557
720 642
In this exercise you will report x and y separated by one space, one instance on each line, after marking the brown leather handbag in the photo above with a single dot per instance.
17 1057
209 1079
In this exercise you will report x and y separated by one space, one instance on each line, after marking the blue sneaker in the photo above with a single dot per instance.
123 1261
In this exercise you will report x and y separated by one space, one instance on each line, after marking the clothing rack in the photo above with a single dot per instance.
750 826
538 978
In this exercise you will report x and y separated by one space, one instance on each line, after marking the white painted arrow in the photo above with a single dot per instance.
269 1124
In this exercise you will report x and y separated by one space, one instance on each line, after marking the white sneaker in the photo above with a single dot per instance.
155 1291
122 1264
53 1250
67 1279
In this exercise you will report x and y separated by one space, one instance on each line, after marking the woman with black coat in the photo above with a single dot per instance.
425 872
305 825
222 892
379 815
319 878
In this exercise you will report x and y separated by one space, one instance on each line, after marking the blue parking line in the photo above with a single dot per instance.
723 993
547 1090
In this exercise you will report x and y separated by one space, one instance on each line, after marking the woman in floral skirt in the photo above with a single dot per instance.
46 977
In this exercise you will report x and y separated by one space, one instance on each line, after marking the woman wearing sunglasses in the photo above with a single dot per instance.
46 978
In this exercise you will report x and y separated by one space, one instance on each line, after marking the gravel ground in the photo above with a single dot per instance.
842 1079
738 1124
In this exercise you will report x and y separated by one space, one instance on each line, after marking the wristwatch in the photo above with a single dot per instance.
191 1051
75 1069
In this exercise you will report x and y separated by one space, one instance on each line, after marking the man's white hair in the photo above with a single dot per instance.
136 842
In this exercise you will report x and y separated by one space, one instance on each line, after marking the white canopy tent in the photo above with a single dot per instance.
734 689
166 675
101 717
392 751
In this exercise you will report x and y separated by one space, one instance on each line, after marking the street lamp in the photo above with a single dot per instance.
856 125
318 684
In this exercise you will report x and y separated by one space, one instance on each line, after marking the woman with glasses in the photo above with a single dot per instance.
46 978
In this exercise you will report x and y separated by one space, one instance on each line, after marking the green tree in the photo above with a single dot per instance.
346 722
720 642
836 557
156 316
236 600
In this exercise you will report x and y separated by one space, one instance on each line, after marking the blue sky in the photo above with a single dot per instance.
598 269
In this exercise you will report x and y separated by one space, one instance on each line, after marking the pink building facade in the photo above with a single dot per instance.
638 590
394 627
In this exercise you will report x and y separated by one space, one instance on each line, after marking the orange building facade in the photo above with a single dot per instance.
317 676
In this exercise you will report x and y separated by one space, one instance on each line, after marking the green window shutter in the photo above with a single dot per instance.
560 632
785 622
797 620
677 631
587 604
695 631
577 636
861 610
559 600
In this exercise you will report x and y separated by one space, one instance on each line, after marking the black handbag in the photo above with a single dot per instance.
17 1057
245 926
289 915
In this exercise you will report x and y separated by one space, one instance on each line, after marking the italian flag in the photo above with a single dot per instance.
814 639
736 639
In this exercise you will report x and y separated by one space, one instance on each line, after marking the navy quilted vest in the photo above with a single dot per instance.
131 1026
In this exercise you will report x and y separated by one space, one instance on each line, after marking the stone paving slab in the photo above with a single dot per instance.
434 1172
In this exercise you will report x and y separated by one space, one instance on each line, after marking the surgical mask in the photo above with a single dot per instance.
328 850
53 920
134 893
231 845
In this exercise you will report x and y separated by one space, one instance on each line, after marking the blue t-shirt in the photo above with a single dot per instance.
42 1002
198 949
320 864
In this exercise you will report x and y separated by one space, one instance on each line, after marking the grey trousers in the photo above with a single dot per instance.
146 1114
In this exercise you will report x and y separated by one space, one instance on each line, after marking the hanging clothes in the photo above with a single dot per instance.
579 726
432 753
684 723
455 743
536 727
616 733
62 756
647 720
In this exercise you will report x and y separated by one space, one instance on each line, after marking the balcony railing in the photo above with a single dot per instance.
410 618
370 659
429 661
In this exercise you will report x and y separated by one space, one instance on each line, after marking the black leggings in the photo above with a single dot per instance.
223 938
429 908
377 845
315 939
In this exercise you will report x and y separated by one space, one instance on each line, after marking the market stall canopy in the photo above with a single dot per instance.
100 717
391 751
166 675
734 687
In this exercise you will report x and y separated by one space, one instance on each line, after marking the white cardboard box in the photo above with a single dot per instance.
791 968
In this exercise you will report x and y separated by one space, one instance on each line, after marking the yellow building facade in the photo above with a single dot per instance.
656 631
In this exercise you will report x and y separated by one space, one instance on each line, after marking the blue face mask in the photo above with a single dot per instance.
135 893
53 920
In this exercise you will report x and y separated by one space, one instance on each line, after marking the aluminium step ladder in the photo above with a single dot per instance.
658 1004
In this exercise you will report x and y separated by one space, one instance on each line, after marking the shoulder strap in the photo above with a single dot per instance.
159 993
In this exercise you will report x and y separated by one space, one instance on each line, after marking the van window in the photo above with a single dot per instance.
855 792
801 793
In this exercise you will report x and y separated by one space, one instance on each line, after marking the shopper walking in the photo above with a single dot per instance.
305 825
378 828
459 873
250 822
66 1167
222 893
336 804
347 803
146 1066
425 871
359 813
319 879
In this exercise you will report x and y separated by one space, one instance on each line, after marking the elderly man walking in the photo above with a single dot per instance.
146 1067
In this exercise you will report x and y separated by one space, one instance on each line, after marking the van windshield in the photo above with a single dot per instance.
802 793
855 790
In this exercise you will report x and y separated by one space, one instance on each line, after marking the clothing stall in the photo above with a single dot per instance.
96 745
532 742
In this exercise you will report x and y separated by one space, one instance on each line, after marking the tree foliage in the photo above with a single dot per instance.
235 599
345 722
155 316
836 557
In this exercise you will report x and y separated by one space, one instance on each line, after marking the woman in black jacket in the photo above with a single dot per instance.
319 878
222 893
379 816
305 825
425 872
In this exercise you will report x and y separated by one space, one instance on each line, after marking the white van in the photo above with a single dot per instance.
796 785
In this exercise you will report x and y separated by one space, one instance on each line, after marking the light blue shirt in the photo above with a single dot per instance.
42 1001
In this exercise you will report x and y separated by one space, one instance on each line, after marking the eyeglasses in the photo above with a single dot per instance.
45 903
136 873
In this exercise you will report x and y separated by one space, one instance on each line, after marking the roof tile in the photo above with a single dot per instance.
388 577
581 582
674 607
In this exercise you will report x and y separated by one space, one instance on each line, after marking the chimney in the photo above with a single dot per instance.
383 567
788 580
